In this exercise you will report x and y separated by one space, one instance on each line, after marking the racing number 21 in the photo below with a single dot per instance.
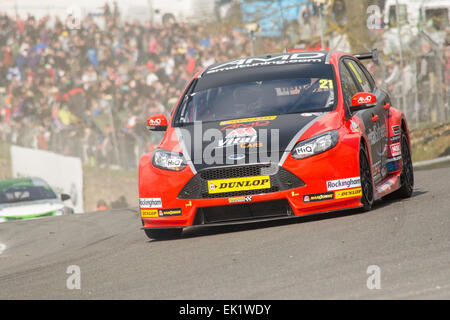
326 84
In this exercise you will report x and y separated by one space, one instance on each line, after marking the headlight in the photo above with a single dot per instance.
164 159
316 145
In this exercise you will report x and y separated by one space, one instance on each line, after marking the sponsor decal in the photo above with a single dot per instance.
354 126
342 194
304 150
311 114
239 136
393 166
318 197
294 194
298 57
238 121
376 133
189 204
395 138
240 199
394 159
242 132
239 184
343 184
174 163
288 91
246 145
350 64
365 100
149 203
246 124
396 150
396 130
149 213
236 157
385 186
169 212
154 122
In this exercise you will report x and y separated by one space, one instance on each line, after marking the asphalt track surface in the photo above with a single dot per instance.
316 257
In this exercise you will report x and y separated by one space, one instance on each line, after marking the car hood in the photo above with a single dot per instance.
243 141
30 209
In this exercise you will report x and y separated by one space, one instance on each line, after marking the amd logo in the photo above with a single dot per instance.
298 57
367 99
154 122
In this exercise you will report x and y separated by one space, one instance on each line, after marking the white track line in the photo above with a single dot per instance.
430 162
2 247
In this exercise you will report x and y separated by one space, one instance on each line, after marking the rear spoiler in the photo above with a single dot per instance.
369 55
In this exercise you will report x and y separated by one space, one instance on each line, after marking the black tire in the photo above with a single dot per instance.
365 174
407 175
163 234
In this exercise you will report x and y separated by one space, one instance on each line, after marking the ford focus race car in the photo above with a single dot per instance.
274 136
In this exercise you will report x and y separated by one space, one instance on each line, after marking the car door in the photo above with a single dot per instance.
375 119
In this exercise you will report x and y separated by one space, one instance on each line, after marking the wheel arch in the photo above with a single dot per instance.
404 127
363 142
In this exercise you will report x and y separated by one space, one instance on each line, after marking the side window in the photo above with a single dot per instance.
360 76
368 75
349 87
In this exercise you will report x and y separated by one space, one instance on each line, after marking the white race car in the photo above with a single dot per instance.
28 198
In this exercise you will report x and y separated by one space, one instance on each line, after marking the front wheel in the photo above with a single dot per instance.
163 234
407 175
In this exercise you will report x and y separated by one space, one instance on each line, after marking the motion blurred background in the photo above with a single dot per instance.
79 78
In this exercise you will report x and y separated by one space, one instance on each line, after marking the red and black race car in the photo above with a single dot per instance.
274 136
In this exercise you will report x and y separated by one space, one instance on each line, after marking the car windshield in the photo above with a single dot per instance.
26 193
258 98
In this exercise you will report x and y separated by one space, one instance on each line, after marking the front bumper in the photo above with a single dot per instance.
340 162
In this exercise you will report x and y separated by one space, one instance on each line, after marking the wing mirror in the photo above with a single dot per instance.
65 196
363 100
158 122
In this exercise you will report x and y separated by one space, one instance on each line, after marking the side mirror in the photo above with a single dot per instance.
363 100
158 122
65 196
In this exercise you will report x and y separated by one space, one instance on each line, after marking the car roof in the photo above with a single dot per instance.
268 61
265 67
22 182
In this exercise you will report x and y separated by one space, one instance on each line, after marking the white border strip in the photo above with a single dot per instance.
427 163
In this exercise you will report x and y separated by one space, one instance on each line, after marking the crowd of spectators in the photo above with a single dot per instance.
421 88
87 91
